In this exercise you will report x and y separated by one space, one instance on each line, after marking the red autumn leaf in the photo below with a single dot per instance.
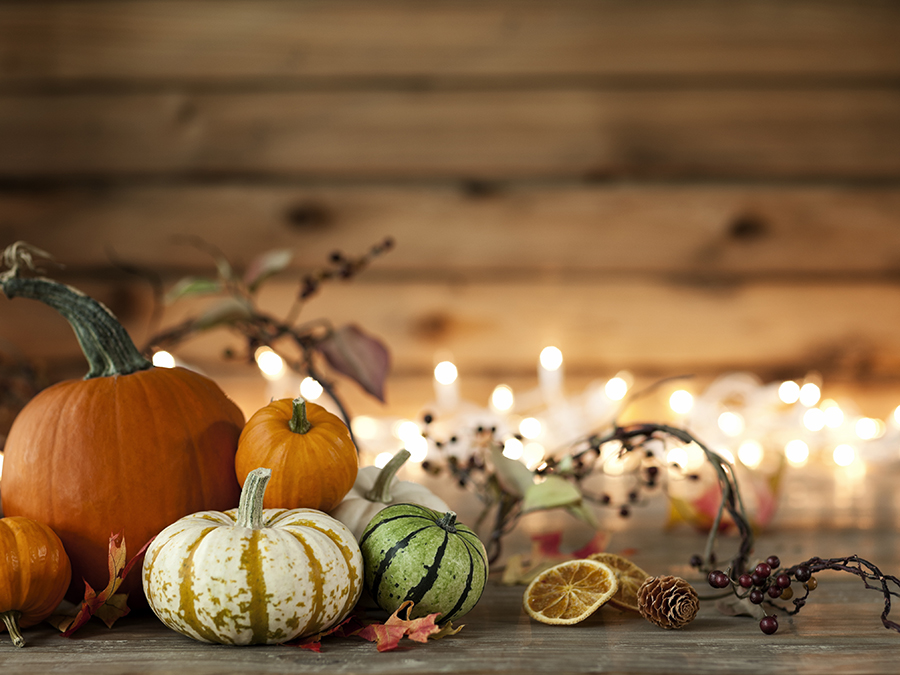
106 605
387 636
360 357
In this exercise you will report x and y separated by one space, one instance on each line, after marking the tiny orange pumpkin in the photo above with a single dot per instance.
34 574
310 451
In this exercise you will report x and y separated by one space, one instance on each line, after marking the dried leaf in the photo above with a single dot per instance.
346 628
735 606
265 266
106 605
514 476
551 493
387 636
225 311
360 357
190 286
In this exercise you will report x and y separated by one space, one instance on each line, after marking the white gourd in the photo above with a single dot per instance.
253 576
376 489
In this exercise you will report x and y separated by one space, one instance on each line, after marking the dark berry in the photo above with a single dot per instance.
633 497
624 512
773 561
803 573
757 596
652 470
606 499
696 560
783 580
757 579
745 580
768 625
428 419
718 579
774 591
763 570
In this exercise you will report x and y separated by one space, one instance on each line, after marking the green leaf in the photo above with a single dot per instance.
551 493
265 266
514 477
584 513
226 311
190 286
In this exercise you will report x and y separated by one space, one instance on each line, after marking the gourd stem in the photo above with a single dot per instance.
105 343
448 521
299 423
250 508
11 619
381 490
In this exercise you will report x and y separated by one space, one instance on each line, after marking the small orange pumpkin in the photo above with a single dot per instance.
34 574
309 450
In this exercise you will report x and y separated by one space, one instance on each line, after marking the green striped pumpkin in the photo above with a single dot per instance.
253 576
414 553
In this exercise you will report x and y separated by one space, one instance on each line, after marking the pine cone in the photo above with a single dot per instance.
669 602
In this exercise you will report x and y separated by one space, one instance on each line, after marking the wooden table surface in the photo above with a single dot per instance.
839 631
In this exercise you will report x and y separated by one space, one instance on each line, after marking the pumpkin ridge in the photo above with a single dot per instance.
417 592
314 624
257 608
464 596
389 556
187 599
390 519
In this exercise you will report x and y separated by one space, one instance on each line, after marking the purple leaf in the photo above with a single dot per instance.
360 357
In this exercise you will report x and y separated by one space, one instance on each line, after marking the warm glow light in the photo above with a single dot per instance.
814 419
789 391
677 456
797 452
418 448
502 398
1 465
162 359
897 414
725 454
271 365
731 424
530 427
867 428
445 372
681 401
844 455
616 388
551 358
405 430
532 454
365 427
513 448
809 394
750 453
834 416
310 389
382 458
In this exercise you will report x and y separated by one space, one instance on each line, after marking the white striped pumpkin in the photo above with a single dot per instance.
253 576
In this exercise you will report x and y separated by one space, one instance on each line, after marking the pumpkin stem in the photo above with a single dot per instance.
448 522
299 423
381 490
250 508
11 619
105 343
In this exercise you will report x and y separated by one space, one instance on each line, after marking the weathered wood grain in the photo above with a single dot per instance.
764 133
459 231
228 40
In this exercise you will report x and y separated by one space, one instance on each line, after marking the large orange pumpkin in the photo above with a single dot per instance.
131 448
34 574
309 450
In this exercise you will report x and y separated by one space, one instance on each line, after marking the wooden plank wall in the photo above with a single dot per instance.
667 187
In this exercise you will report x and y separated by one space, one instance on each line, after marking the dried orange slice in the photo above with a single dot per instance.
629 577
569 592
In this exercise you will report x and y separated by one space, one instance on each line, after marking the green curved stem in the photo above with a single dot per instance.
11 619
250 508
105 343
299 423
381 490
